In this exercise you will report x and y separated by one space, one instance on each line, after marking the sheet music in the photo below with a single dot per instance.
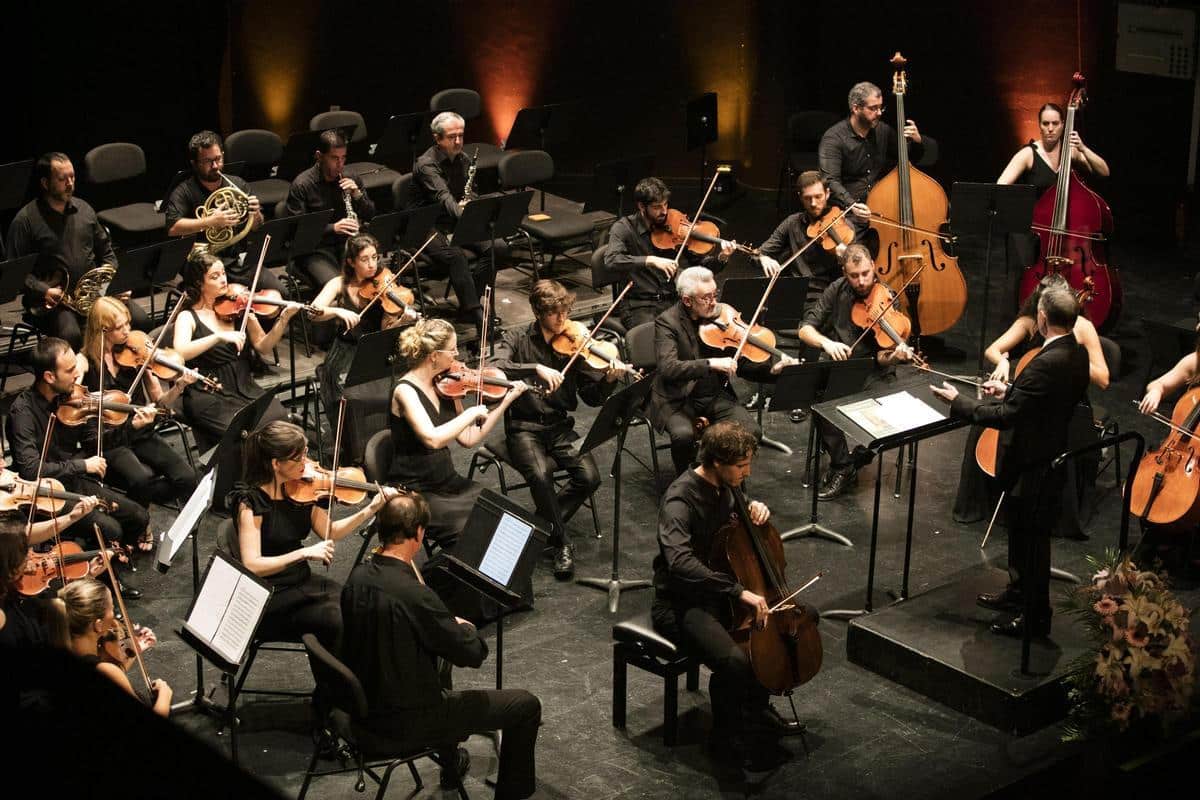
891 414
227 610
189 516
504 551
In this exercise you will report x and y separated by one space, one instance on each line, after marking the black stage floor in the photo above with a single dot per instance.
869 737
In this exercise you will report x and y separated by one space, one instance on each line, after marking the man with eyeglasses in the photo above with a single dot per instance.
861 149
632 253
206 154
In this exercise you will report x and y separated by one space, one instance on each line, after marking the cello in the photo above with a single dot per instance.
1073 224
1166 487
936 302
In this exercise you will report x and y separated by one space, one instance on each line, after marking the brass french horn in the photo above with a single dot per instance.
227 198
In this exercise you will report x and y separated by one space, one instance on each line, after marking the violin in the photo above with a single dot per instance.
166 363
396 299
348 485
265 303
51 498
83 405
831 229
727 330
877 312
704 236
490 384
597 354
787 651
42 568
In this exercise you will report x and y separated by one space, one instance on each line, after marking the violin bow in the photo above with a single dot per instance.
895 296
717 173
100 399
785 600
590 337
254 283
116 588
906 227
1167 421
483 337
337 448
37 488
154 347
396 275
814 239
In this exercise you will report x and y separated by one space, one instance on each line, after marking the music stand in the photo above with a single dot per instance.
152 267
613 420
489 218
13 274
702 127
401 139
536 126
227 456
368 390
618 177
298 152
14 183
987 209
374 357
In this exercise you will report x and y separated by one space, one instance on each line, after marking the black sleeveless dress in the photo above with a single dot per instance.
1022 247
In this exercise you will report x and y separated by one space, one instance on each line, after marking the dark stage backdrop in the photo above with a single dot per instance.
155 73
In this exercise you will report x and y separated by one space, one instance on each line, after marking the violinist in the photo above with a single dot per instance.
87 606
693 380
145 466
71 457
828 324
631 252
1032 414
323 186
424 424
693 603
538 427
212 342
24 621
272 529
820 262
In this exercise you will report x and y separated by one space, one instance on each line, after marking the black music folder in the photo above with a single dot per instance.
498 549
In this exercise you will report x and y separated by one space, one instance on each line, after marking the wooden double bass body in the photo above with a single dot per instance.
936 301
1073 224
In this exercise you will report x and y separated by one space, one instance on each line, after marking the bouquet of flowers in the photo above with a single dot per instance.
1143 667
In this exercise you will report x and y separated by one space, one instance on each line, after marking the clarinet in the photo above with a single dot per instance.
350 215
469 186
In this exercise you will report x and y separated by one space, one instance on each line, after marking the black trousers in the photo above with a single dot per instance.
319 267
536 455
467 286
64 323
151 471
124 524
1030 519
645 311
516 712
681 429
310 607
244 274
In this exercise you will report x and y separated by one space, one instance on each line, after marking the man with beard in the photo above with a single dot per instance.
632 253
791 235
827 325
69 240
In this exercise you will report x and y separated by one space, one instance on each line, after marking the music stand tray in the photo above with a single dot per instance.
148 267
14 183
374 357
402 136
290 236
227 456
617 177
406 229
13 274
493 217
538 126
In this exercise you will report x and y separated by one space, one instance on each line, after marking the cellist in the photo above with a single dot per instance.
693 603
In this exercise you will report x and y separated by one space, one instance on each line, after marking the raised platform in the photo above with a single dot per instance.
938 643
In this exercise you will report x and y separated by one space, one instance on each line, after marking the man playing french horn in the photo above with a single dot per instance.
222 226
75 254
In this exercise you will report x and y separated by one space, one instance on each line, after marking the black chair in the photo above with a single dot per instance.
116 176
636 643
423 267
227 541
342 693
804 132
560 231
1104 422
376 178
467 104
261 151
377 458
639 343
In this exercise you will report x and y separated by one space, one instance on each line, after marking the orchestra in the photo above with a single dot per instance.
90 459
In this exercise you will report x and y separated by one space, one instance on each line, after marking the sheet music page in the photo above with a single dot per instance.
911 411
189 516
505 549
891 414
227 609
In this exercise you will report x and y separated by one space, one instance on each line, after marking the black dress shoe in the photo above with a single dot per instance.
837 482
452 774
564 562
129 592
1016 627
798 415
1005 600
753 403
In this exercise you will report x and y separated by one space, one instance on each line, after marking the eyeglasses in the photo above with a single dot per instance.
711 297
209 162
879 109
451 353
300 457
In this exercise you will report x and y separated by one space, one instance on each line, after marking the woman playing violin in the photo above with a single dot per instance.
424 424
145 466
215 345
271 531
539 428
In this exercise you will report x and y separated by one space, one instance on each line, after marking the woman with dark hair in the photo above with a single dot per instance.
217 347
271 530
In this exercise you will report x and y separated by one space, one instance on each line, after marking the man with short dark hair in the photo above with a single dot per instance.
632 253
395 628
791 236
69 240
323 186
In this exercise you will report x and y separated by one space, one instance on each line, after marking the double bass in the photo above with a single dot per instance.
1073 224
918 203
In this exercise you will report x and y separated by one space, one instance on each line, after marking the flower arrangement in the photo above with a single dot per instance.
1143 667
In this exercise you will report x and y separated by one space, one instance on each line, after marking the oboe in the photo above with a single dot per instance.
350 215
469 186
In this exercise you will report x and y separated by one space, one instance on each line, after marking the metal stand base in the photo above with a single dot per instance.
816 530
774 445
1062 575
613 586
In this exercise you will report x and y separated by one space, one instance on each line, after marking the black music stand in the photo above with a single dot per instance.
986 209
150 268
227 456
702 128
617 178
538 126
15 179
368 390
402 139
406 230
489 218
803 385
13 274
613 420
298 152
374 357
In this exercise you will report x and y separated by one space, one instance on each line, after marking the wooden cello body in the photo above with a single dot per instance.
1073 224
1166 487
936 301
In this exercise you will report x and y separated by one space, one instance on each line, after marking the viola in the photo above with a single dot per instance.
265 303
1073 225
396 299
83 405
877 312
348 485
727 330
597 354
166 364
490 384
51 498
936 302
704 235
787 651
42 568
831 229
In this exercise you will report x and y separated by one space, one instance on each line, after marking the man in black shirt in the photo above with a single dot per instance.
69 240
632 253
538 427
856 152
71 455
323 186
206 152
791 236
693 602
395 630
828 325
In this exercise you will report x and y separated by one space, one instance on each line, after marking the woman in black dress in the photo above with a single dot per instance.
272 529
217 347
